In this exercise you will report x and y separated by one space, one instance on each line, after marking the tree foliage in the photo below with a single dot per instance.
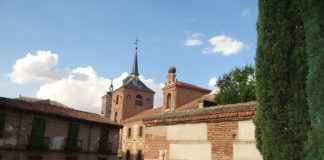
314 28
282 119
237 86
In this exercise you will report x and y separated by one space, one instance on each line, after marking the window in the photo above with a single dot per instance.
140 131
169 101
128 155
2 124
37 134
72 138
129 97
103 142
129 133
139 100
139 155
117 99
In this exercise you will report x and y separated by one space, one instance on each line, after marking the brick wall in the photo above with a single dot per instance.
155 142
180 95
185 95
126 106
135 142
222 135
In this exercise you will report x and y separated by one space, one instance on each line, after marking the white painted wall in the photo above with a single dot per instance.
245 146
187 132
190 152
246 130
246 151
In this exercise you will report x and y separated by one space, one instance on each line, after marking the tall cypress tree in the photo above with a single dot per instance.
314 27
282 119
299 121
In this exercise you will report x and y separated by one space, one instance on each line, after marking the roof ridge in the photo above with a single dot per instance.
57 110
192 85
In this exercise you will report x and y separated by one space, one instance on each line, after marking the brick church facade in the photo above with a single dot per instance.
188 126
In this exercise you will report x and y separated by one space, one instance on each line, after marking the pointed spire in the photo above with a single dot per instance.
111 87
135 64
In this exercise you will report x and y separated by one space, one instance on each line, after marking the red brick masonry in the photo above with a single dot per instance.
232 112
222 127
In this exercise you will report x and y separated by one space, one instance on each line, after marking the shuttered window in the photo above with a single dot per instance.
72 138
37 135
103 142
2 124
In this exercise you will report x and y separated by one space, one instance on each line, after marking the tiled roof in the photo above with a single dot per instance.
44 101
143 114
191 86
132 81
51 109
195 103
147 113
230 112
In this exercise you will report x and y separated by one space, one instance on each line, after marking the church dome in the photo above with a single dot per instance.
172 69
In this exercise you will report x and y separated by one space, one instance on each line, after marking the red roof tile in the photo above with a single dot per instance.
195 103
143 114
191 86
51 109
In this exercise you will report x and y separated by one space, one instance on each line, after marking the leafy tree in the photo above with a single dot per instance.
282 118
237 86
314 28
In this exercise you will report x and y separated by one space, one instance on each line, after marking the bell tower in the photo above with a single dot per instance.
133 96
106 101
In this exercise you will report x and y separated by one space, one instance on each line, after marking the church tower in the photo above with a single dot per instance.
132 97
106 101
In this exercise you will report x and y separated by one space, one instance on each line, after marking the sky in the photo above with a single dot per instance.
69 51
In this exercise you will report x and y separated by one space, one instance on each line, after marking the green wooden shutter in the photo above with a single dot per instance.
37 135
2 123
72 139
103 143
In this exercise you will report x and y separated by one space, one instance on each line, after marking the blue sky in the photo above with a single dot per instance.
100 34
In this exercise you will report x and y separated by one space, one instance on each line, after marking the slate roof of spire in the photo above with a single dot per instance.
135 66
134 82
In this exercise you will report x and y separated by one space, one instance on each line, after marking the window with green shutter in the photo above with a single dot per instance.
72 138
103 142
2 124
37 135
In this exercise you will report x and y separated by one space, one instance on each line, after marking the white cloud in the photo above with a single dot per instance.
245 12
37 67
194 39
80 88
224 45
157 87
212 83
